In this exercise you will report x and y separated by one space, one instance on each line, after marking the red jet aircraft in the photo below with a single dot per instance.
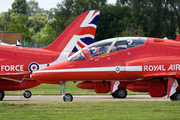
135 63
17 63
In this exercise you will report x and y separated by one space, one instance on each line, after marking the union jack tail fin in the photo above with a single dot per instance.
177 38
78 34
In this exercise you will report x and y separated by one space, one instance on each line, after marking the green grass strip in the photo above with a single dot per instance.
118 110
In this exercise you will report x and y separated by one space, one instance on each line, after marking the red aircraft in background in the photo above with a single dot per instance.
17 63
17 43
135 63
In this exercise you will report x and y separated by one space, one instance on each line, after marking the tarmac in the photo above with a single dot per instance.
88 98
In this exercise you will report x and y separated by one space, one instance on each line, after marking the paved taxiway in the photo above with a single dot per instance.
58 98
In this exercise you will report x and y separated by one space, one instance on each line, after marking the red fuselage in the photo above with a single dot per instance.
144 61
17 63
15 66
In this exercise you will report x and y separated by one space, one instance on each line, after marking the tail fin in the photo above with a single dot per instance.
18 43
78 34
178 38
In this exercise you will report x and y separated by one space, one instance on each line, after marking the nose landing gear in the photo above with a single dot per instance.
66 97
27 93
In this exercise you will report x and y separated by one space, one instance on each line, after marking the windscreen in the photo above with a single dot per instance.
108 46
77 56
113 45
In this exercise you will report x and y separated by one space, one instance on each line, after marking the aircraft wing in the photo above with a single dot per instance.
19 77
16 77
14 74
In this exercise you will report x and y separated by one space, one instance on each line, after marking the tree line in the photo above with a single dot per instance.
149 18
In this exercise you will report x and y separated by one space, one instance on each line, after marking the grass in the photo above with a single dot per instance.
116 110
137 110
46 89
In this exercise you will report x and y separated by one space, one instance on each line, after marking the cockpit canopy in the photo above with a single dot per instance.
108 46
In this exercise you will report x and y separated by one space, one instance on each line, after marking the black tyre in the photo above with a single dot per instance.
27 94
1 95
114 95
171 97
68 97
177 96
121 93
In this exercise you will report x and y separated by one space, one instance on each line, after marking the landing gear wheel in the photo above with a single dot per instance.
114 95
67 97
172 97
1 95
27 94
121 93
177 96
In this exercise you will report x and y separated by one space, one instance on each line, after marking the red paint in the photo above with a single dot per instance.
145 67
86 85
15 61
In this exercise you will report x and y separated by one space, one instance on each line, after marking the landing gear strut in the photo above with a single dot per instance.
27 93
66 97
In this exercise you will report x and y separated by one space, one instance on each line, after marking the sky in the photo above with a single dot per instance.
46 4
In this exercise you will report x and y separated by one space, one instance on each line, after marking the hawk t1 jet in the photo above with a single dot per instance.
136 63
17 63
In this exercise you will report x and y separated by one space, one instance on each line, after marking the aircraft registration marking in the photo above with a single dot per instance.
171 67
12 67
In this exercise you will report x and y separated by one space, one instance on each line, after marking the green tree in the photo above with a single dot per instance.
5 18
112 21
48 34
37 22
50 13
157 18
17 24
132 32
20 7
32 7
